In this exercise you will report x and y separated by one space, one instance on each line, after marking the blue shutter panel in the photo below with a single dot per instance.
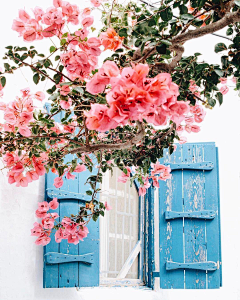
82 266
190 253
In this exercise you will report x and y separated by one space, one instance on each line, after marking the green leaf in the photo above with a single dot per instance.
219 72
166 42
63 42
219 97
187 17
123 32
212 102
220 47
66 83
161 49
36 78
7 66
52 49
3 81
89 193
167 14
229 31
237 2
79 90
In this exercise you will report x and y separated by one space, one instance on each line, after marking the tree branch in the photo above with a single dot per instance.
127 145
228 19
178 40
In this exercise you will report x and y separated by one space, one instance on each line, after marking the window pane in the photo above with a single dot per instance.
119 228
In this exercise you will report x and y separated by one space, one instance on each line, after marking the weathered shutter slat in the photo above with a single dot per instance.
193 244
194 230
171 232
212 229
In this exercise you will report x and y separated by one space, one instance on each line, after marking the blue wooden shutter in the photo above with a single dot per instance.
82 266
190 250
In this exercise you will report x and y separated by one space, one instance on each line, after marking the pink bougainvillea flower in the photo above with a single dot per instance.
43 240
80 168
10 118
60 234
39 96
96 3
53 204
48 223
95 86
40 169
73 239
87 21
157 168
155 181
66 104
195 128
223 80
66 221
37 229
43 206
65 90
40 214
182 140
111 40
57 3
58 182
32 175
124 177
98 118
21 180
25 131
142 191
224 89
107 206
82 232
70 176
23 15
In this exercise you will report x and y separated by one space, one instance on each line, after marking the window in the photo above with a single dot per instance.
120 234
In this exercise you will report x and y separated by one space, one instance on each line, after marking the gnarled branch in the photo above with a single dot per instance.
120 146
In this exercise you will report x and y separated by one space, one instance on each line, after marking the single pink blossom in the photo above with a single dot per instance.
53 204
224 89
39 96
107 206
58 182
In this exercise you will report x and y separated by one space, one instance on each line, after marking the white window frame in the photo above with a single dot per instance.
136 252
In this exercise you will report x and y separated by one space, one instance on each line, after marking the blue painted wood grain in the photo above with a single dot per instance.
171 232
197 240
212 229
219 218
195 249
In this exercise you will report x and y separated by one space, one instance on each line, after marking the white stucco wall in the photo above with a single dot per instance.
21 260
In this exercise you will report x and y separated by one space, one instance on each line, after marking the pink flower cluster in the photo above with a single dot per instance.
43 230
80 62
132 97
18 114
58 181
111 40
159 172
69 229
46 24
23 170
